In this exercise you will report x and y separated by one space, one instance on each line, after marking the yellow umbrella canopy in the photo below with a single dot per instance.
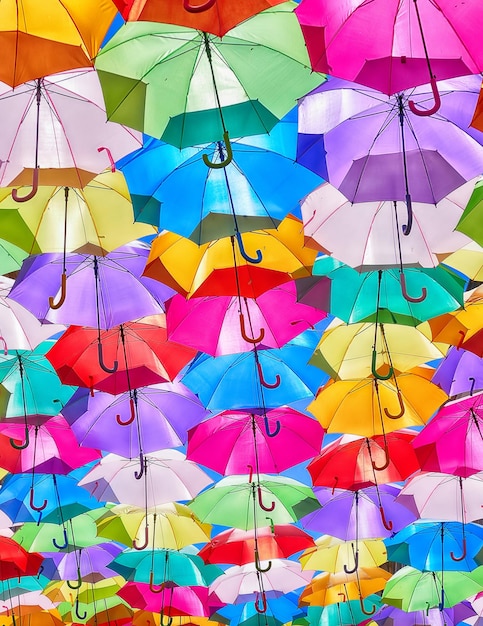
331 554
87 592
468 260
350 351
370 407
94 220
145 618
220 268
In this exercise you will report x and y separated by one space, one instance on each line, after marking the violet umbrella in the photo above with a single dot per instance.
461 371
448 616
88 564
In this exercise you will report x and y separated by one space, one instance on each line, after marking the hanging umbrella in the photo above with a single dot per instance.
90 564
81 532
452 441
341 613
87 592
272 441
276 311
33 615
279 610
332 554
231 97
389 615
11 257
461 371
468 260
165 413
15 561
111 610
432 546
236 546
470 221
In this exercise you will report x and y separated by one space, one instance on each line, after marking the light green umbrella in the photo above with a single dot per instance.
410 589
11 257
189 87
471 221
78 532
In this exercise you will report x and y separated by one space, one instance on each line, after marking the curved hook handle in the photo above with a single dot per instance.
162 622
260 502
32 192
356 565
334 485
131 418
33 505
371 612
374 371
4 606
152 588
77 583
441 604
63 293
263 607
272 525
244 253
244 332
229 154
268 432
409 206
109 156
25 444
142 464
136 546
402 408
103 366
274 385
387 524
385 465
250 475
459 558
473 381
199 8
64 545
436 105
404 291
76 610
5 347
462 335
258 567
343 596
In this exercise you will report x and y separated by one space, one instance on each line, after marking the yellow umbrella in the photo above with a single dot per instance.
370 407
468 260
171 526
331 554
220 268
146 618
32 616
350 351
87 592
94 220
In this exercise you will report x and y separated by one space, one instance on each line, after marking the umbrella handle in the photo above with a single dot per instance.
441 604
142 463
374 371
343 596
63 293
272 525
244 332
385 465
404 291
409 206
131 418
109 156
260 502
462 334
76 610
152 588
161 620
8 609
64 545
229 154
402 408
258 567
473 381
268 432
5 348
33 505
459 558
263 607
77 583
437 101
109 370
371 612
250 475
198 8
146 540
23 445
356 565
41 569
244 253
264 382
387 524
32 192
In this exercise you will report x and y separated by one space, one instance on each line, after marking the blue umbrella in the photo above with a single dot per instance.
435 546
279 611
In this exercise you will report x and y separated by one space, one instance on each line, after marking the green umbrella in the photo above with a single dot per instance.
105 610
355 295
11 257
471 221
80 532
410 589
235 502
189 87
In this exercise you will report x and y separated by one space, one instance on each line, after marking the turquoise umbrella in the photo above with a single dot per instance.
341 613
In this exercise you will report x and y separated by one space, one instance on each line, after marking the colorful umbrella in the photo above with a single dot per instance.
341 613
461 371
333 555
389 615
15 561
90 564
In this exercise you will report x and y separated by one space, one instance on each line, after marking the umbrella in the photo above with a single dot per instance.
81 532
231 97
280 610
164 414
111 610
341 613
272 441
333 555
451 442
15 561
432 546
89 564
389 615
412 40
461 371
470 221
468 260
276 311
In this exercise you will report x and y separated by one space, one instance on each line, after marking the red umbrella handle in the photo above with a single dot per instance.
32 192
152 588
260 502
33 505
264 382
263 607
385 465
109 156
136 546
244 332
404 291
387 524
437 101
63 293
199 8
132 416
459 558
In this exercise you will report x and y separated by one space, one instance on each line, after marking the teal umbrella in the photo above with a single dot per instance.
341 613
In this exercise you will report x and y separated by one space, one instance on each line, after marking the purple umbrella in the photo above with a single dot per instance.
87 564
165 412
461 371
390 615
367 513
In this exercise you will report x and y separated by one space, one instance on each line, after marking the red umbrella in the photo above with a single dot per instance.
16 562
352 462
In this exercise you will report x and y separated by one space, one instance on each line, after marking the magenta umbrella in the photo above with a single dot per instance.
274 318
452 442
271 442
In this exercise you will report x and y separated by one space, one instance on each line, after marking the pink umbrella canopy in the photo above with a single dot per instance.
232 442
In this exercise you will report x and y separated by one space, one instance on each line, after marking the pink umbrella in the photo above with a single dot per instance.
452 442
271 442
274 318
